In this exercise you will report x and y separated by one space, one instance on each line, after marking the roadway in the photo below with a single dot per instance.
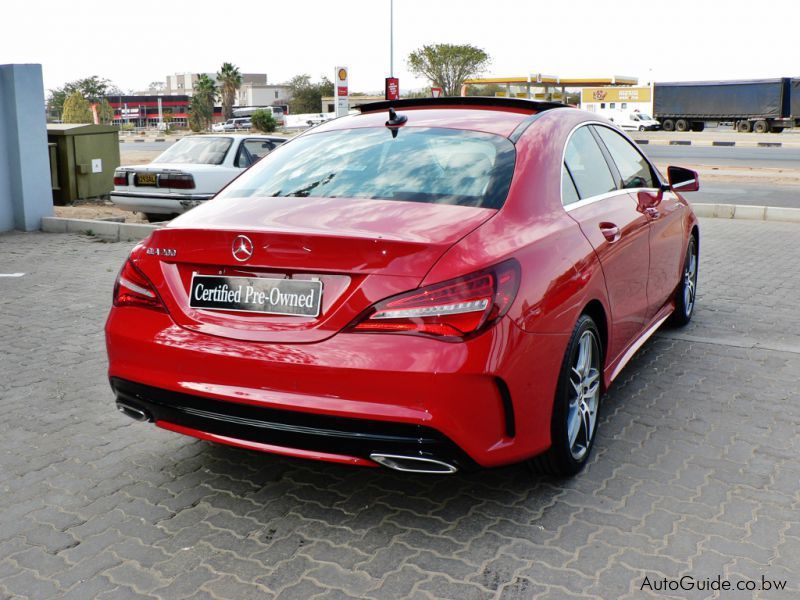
726 156
758 190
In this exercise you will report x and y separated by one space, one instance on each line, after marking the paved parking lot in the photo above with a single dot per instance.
696 469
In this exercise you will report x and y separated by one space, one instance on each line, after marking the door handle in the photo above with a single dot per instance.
610 232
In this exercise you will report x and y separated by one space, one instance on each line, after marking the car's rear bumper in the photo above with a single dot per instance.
163 203
293 433
486 401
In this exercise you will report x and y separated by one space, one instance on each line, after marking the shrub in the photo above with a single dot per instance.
264 121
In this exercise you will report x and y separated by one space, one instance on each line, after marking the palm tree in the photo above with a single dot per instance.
202 107
230 80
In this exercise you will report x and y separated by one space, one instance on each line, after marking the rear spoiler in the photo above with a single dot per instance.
487 101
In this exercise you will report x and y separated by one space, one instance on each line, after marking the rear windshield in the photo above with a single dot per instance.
438 166
197 151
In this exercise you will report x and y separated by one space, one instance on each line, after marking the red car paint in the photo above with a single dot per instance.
365 251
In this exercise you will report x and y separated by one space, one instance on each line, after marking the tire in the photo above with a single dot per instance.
641 127
157 217
744 127
681 125
686 293
668 125
576 404
761 127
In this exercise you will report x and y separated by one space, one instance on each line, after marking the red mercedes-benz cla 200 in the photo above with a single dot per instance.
431 285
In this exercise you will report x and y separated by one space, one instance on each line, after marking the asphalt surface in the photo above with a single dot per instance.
718 156
725 156
719 192
695 470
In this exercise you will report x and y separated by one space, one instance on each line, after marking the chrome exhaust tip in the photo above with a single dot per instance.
137 414
414 464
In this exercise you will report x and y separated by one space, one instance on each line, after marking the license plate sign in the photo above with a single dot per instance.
297 297
146 179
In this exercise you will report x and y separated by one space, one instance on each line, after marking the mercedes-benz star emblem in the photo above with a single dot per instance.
242 248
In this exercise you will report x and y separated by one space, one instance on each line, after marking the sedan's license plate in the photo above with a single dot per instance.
256 294
146 179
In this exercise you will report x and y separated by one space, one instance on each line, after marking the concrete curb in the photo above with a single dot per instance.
710 143
107 230
747 212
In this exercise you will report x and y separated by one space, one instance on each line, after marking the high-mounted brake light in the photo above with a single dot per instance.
134 289
451 310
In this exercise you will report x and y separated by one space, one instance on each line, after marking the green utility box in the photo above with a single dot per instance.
86 157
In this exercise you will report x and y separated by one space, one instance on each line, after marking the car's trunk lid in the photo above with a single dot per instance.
361 251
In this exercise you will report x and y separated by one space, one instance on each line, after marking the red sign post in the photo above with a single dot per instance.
392 88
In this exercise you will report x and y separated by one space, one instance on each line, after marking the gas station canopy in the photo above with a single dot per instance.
547 84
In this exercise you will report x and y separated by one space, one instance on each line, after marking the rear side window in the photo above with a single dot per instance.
633 167
418 164
587 165
568 192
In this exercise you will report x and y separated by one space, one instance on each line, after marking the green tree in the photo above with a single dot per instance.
105 112
230 80
93 89
448 65
489 89
264 121
306 95
201 109
76 109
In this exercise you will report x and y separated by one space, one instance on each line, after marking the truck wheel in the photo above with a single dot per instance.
744 126
761 127
681 125
641 127
668 125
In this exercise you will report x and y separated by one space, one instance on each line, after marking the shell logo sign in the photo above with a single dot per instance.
599 95
342 93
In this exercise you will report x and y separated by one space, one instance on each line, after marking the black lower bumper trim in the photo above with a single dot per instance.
291 429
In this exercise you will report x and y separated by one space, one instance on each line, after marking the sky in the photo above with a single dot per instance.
134 43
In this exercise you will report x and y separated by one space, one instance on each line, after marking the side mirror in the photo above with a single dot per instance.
683 180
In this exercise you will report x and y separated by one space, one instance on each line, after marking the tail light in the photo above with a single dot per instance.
178 181
451 310
120 178
134 289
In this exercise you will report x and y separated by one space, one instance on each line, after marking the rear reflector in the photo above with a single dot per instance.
451 310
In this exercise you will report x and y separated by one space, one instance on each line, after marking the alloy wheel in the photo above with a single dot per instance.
585 396
690 280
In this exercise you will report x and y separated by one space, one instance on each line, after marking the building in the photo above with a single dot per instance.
329 102
252 94
602 99
149 110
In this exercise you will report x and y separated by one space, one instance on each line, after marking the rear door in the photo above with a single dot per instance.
619 233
